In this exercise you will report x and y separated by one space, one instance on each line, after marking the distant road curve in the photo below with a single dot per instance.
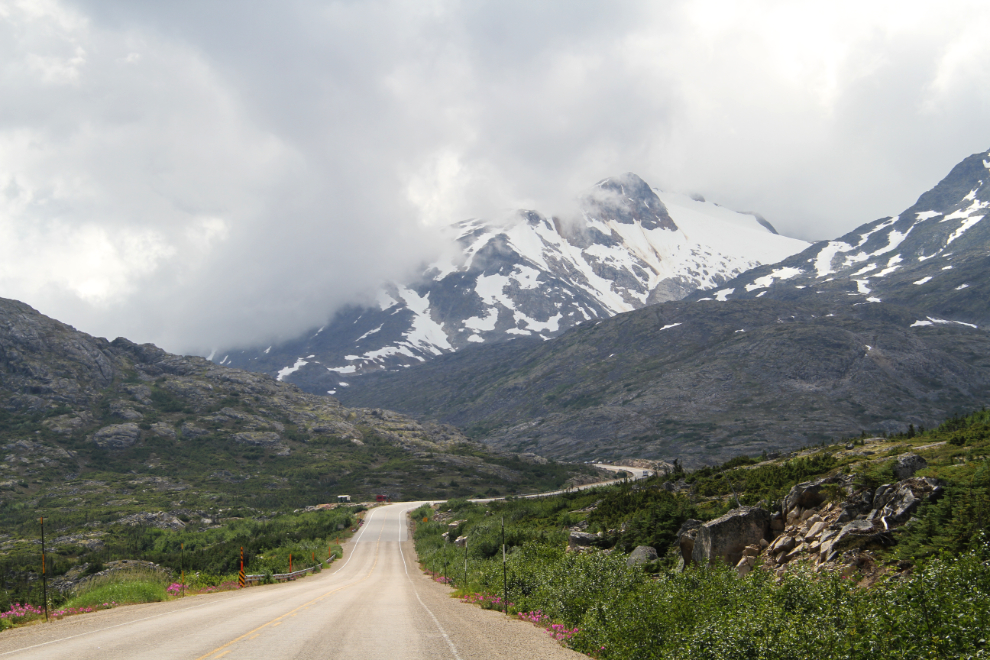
375 604
636 473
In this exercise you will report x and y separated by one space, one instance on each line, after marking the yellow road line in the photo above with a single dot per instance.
278 620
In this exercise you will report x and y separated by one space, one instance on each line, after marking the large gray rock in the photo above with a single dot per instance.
641 555
725 538
896 503
908 464
851 534
583 540
685 538
117 436
806 495
191 431
258 438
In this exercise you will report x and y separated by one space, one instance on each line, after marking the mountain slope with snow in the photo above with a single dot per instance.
934 257
884 327
535 276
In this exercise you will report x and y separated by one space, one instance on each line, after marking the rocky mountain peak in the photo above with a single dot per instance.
629 200
534 276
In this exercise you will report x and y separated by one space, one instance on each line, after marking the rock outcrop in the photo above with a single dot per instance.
117 436
581 540
843 533
725 538
685 538
641 555
908 464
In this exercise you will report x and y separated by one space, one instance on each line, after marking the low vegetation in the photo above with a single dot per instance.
938 607
207 557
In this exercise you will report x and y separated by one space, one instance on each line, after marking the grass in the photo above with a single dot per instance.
121 588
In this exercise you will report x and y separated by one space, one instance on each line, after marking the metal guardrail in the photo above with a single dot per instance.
285 577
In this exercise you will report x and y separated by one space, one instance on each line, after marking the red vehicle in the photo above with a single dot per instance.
381 498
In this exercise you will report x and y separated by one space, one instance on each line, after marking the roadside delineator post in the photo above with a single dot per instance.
290 562
182 566
44 575
505 580
241 581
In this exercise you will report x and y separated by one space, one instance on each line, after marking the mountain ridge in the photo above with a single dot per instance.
804 350
534 276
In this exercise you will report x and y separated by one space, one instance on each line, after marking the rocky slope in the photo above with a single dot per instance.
534 277
766 362
87 423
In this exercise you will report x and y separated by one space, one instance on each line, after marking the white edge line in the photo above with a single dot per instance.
453 649
364 528
90 632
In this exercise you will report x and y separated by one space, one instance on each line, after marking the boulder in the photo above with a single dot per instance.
117 436
777 522
745 565
124 411
851 534
724 539
860 502
908 464
806 495
685 538
191 431
782 544
815 530
583 540
256 438
896 503
641 555
460 541
163 429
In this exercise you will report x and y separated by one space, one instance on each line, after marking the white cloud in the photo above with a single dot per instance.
210 174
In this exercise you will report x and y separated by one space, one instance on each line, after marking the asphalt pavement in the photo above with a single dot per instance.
374 604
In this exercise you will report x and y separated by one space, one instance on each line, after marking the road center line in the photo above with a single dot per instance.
184 609
293 612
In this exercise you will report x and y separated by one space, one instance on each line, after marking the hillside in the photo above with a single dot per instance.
95 432
765 363
701 382
868 548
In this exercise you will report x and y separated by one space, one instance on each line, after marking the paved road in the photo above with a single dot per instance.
635 473
374 604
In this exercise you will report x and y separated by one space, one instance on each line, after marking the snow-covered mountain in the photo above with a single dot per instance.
533 276
932 257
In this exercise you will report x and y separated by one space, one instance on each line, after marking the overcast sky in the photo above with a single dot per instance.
212 173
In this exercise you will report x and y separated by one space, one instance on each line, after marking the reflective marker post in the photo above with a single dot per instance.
505 581
241 582
44 575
